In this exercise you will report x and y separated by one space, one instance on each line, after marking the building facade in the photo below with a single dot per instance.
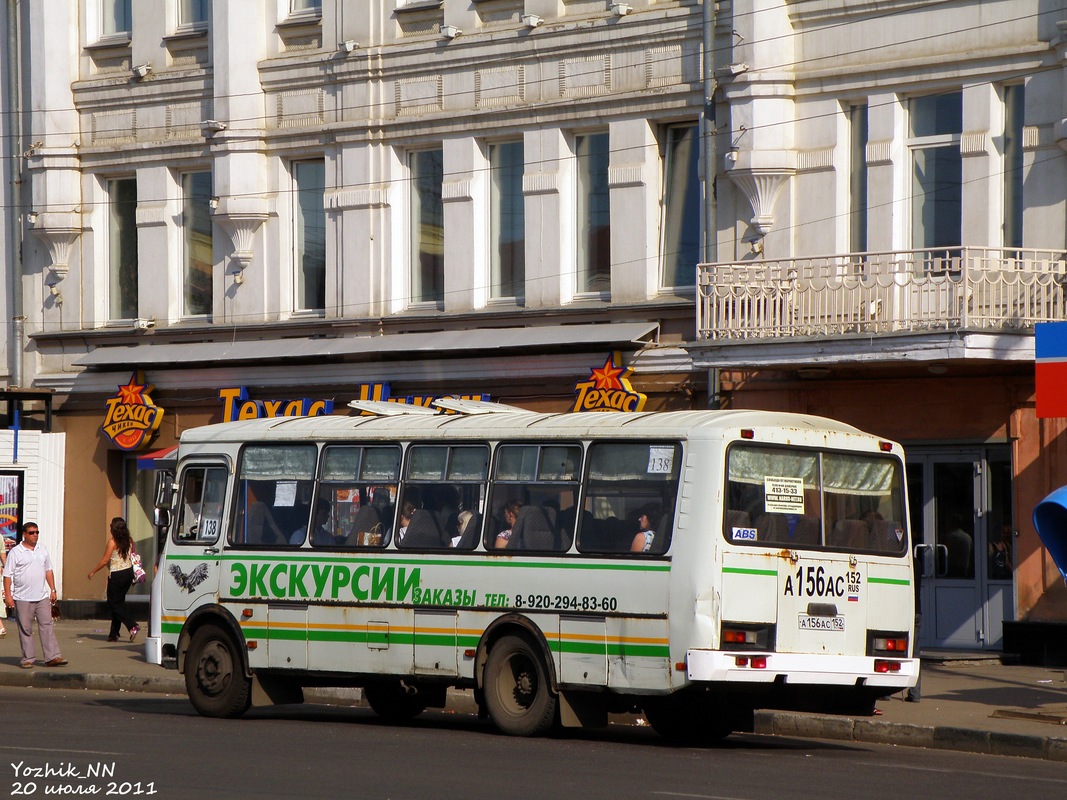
240 206
252 207
891 228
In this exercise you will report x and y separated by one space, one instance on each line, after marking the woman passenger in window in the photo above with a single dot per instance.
406 511
511 513
642 542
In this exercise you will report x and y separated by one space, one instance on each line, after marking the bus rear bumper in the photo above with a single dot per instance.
719 666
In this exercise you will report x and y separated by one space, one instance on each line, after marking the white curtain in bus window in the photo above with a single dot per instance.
359 484
274 493
772 497
532 506
630 500
864 505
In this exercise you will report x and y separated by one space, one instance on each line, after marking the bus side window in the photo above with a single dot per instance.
444 487
531 498
632 489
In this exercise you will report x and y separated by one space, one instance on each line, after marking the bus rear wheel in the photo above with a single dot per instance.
215 678
517 690
686 720
395 701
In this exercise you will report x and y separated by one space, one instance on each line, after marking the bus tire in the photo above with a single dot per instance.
394 701
679 720
518 694
215 678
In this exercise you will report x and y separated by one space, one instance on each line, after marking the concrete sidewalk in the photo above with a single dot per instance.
970 702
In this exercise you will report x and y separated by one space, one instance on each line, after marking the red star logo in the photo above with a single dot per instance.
607 377
132 393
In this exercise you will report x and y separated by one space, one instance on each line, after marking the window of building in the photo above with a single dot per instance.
507 220
197 243
936 125
1014 97
310 234
116 17
857 178
594 214
305 7
193 14
122 248
427 227
680 245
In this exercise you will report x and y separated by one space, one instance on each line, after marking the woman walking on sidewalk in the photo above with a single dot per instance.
120 578
3 563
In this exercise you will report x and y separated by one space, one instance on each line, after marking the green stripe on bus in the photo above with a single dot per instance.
448 640
890 581
770 573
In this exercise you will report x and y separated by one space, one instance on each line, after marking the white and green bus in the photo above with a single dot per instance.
691 565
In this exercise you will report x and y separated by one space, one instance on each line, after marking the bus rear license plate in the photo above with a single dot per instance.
821 623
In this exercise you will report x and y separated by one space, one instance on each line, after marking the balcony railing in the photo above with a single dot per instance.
957 288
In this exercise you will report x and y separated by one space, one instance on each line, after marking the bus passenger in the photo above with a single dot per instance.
511 513
406 511
321 533
642 542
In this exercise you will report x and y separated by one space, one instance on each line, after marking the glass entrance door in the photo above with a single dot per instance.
961 507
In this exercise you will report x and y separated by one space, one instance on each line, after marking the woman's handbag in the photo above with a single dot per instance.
138 568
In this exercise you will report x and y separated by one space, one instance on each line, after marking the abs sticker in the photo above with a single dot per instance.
743 534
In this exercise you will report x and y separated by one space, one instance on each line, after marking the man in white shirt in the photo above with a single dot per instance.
30 589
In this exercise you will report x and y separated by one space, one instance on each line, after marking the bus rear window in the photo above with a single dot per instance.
805 498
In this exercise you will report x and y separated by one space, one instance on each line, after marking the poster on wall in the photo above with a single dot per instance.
10 506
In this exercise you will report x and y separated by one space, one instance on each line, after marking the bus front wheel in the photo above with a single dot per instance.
517 691
215 679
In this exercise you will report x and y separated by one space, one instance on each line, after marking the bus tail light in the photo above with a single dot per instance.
883 643
745 636
881 665
755 662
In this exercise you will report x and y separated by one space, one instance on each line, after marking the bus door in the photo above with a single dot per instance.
192 564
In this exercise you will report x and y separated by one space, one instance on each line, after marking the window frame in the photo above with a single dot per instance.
940 144
189 244
122 257
592 273
424 209
506 197
680 217
307 296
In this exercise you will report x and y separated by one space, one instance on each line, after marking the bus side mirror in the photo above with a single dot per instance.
161 517
164 489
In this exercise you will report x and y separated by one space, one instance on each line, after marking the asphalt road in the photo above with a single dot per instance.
124 744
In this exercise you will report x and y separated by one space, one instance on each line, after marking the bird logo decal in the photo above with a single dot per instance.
189 582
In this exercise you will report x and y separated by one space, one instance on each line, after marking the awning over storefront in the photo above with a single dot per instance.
355 347
165 458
